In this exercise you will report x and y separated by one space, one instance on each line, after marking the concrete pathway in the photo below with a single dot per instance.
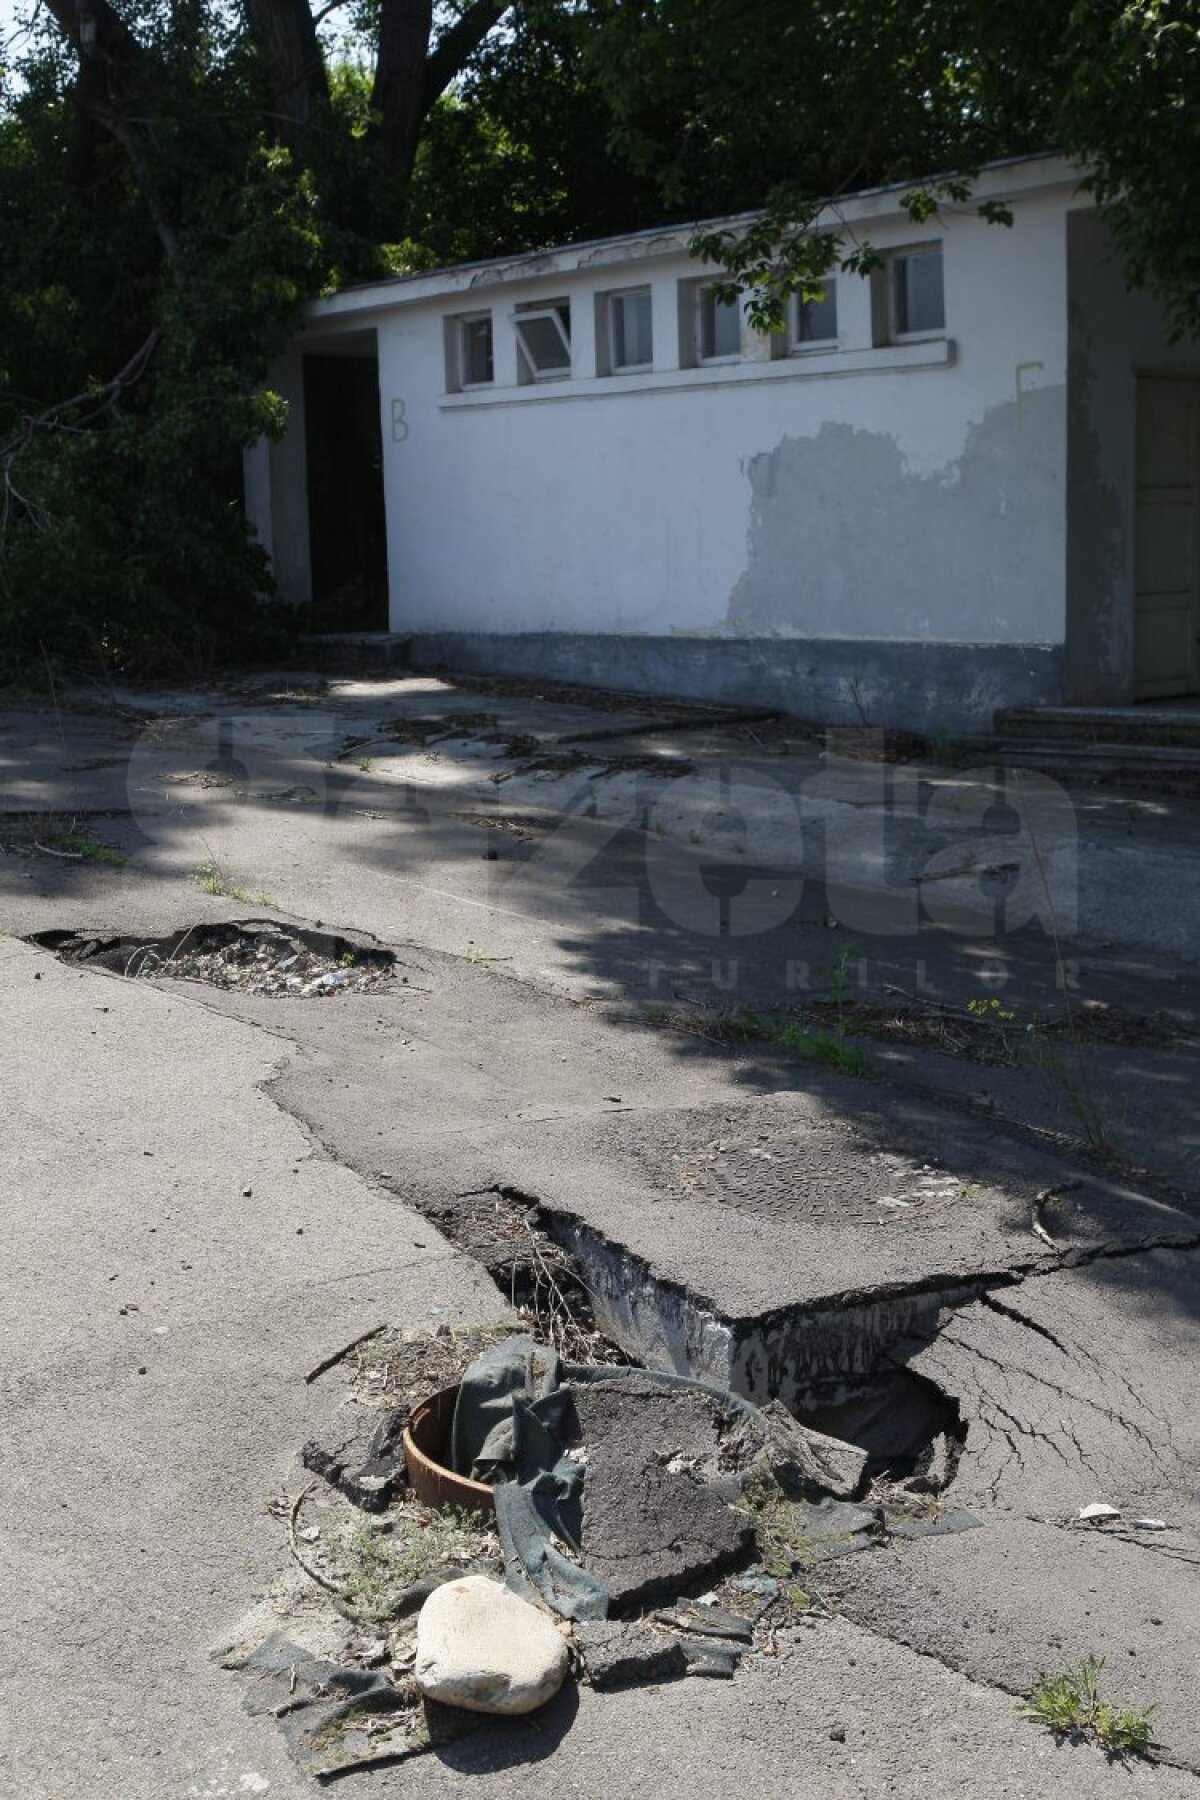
210 1192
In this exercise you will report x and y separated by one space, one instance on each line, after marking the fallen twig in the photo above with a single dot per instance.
1040 1200
331 1362
331 1587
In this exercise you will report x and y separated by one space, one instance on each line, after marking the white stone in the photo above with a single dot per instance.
482 1648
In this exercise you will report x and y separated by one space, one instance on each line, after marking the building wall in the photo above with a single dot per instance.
875 532
1115 335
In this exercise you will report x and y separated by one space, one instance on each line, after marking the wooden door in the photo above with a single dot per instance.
1167 578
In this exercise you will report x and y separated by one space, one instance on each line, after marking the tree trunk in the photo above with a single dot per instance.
112 64
399 93
410 75
296 68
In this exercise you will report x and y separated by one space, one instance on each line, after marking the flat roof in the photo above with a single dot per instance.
1009 177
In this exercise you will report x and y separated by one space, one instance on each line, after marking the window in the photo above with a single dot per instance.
718 326
475 350
630 333
815 322
544 340
916 301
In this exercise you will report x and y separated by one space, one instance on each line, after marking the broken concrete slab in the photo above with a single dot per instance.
1079 1387
652 1523
361 1453
804 1461
757 1244
1075 1388
618 1653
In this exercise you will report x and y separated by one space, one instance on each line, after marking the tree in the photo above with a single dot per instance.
792 103
175 180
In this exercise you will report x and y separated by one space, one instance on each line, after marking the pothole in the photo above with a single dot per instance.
840 1371
250 956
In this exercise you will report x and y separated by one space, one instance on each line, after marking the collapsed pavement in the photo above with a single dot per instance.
263 1178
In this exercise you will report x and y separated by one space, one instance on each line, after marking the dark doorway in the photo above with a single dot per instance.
346 516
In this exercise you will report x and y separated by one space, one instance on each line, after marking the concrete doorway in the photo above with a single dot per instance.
1167 578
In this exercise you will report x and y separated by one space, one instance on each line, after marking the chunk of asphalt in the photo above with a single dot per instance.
831 1528
804 1461
705 1656
361 1454
619 1654
706 1621
648 1531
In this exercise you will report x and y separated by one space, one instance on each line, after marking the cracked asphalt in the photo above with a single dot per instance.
209 1191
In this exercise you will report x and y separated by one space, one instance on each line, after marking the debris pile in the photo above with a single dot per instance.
619 1522
253 956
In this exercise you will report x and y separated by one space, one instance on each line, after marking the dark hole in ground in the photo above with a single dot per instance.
253 956
909 1428
539 1279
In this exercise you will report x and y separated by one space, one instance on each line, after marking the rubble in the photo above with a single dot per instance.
253 956
361 1454
619 1653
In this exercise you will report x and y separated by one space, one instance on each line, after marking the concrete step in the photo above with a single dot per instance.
1133 762
1123 726
355 649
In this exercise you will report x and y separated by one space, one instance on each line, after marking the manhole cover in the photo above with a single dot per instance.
815 1177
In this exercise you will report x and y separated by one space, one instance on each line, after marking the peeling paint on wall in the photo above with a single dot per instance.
845 540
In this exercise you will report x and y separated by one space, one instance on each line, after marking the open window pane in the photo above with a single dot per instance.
816 320
476 341
720 326
918 299
545 340
632 339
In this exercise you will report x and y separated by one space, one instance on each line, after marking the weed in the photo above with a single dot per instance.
1070 1070
381 1566
839 985
738 1025
1069 1704
364 764
480 958
829 1048
999 1018
92 851
782 1545
213 880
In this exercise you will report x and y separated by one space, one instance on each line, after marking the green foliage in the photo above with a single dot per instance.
828 1048
122 533
1130 107
1069 1703
381 1567
188 240
803 103
93 851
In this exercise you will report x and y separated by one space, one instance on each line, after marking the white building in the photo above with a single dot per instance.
969 481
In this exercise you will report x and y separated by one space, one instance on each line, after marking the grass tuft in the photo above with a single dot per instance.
1070 1705
213 880
93 851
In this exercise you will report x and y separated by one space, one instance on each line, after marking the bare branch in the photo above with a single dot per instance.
457 44
90 404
